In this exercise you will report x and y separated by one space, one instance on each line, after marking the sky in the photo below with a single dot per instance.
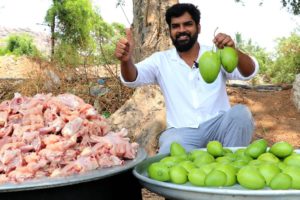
263 24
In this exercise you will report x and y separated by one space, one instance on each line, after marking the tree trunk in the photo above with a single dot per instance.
144 114
52 37
150 28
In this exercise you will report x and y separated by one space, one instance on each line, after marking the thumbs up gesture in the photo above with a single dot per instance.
124 47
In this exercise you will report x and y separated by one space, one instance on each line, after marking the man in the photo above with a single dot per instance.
197 112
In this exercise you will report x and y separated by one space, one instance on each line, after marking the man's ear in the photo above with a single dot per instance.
199 28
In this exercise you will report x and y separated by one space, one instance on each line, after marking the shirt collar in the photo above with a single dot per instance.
175 56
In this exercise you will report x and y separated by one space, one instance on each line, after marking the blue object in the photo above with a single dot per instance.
101 81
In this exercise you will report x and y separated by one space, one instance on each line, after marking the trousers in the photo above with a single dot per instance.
233 128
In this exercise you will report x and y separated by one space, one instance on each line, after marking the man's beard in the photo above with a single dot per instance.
184 45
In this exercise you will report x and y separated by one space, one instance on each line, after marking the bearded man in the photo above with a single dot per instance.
197 112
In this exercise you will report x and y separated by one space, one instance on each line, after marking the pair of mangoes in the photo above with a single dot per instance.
210 63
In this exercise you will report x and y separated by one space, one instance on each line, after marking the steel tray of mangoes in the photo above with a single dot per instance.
215 172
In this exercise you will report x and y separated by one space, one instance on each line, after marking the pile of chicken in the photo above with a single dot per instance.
51 136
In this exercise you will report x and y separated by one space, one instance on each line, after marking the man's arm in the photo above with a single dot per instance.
246 65
128 71
123 52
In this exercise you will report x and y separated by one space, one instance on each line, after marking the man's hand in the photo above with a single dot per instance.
124 47
221 40
246 65
123 52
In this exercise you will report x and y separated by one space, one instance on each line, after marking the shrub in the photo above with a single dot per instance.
2 51
21 45
67 55
287 63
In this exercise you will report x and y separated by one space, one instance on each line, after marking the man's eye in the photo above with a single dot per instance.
188 24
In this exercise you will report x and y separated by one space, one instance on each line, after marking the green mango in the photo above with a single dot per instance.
282 149
209 66
249 177
177 149
294 173
292 160
229 58
158 171
268 157
256 148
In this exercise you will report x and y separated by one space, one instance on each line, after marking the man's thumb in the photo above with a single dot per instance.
129 35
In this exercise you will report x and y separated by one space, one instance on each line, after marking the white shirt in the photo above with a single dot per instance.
189 99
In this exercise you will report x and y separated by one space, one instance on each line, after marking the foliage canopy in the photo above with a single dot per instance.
80 34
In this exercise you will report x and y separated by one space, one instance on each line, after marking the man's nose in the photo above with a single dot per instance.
182 28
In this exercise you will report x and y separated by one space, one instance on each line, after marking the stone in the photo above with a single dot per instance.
143 115
98 90
53 81
296 92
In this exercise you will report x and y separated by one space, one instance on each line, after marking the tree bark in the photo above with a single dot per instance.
144 114
52 37
150 29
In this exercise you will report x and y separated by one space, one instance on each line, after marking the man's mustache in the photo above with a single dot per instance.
182 34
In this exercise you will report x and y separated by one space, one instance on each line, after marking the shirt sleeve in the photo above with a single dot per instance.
147 72
236 75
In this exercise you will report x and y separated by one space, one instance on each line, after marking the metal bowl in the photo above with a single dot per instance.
189 192
93 175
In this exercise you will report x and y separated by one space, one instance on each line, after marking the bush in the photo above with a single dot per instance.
2 51
287 63
21 45
67 55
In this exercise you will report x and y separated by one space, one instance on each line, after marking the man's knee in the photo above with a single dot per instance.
241 112
166 139
165 143
242 126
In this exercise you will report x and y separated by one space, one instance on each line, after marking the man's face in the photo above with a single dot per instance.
184 32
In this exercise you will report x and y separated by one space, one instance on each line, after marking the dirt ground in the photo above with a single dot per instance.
276 117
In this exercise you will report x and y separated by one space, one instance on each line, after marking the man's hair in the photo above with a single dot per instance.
179 9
